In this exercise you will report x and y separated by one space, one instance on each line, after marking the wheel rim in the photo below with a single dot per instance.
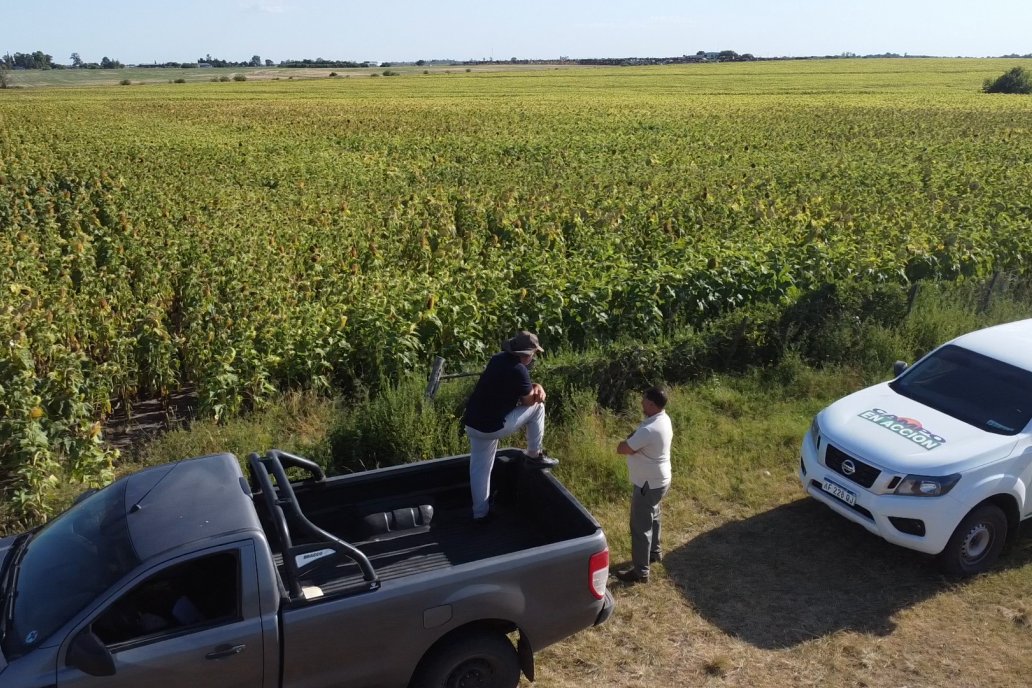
476 673
977 542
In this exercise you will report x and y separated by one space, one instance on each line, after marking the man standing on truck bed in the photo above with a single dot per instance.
503 401
648 462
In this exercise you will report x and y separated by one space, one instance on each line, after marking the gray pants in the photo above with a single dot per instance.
645 525
483 446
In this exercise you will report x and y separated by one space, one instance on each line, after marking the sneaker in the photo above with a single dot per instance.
655 557
632 576
542 460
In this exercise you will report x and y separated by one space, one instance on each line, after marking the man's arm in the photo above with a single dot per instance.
638 439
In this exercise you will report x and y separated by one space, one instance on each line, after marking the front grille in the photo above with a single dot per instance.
863 474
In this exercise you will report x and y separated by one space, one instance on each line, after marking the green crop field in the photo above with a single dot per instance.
238 239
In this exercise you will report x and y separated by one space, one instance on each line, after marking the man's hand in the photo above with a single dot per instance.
537 395
538 392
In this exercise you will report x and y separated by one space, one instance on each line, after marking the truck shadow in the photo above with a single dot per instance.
799 572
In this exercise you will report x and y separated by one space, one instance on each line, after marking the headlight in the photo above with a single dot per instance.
926 485
815 433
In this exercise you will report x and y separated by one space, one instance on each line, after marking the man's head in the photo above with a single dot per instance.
653 400
524 344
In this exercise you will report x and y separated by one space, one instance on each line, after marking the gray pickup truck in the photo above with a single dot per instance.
190 574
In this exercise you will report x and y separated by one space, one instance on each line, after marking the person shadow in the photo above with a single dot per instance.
800 572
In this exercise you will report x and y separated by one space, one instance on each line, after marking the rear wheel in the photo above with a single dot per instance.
977 541
483 660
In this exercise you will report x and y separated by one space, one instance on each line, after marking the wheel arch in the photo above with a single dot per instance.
500 627
1008 504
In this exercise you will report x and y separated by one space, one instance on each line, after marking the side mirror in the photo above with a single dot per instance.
898 367
89 655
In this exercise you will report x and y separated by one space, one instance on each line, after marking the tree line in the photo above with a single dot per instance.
41 60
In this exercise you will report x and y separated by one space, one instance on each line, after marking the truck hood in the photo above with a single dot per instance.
901 434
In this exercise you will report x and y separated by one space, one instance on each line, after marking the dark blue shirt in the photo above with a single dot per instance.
499 390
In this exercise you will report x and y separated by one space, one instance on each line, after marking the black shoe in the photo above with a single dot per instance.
632 576
542 460
484 520
655 557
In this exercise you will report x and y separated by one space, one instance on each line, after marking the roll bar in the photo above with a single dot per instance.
280 497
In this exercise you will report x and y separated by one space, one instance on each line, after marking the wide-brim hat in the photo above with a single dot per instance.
524 343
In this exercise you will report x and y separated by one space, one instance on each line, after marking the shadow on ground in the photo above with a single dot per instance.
799 572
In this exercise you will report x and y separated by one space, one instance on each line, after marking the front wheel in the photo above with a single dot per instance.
976 543
484 660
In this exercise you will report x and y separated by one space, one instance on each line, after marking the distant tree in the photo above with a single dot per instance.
36 60
256 61
42 60
1016 80
268 63
107 63
727 56
420 63
76 60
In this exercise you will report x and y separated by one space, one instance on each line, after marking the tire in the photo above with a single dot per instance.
976 543
482 660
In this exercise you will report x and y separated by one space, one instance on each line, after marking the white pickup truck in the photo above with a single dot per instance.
939 459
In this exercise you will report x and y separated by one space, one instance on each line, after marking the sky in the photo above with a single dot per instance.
142 31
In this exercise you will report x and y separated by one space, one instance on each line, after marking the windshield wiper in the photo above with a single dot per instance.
10 582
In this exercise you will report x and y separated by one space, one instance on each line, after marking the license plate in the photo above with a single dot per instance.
837 490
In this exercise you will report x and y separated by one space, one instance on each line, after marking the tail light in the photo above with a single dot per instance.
598 573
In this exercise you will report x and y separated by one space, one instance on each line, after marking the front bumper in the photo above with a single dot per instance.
940 515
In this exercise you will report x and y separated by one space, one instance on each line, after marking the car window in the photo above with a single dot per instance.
976 389
196 594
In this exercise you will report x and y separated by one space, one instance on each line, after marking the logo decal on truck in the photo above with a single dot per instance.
309 557
907 428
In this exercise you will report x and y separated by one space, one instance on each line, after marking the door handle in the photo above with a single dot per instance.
223 651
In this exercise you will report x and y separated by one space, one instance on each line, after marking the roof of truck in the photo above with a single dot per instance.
196 499
1010 343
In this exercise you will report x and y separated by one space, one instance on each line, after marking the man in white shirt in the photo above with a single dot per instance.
648 462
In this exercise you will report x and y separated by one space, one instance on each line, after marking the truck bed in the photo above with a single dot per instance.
530 509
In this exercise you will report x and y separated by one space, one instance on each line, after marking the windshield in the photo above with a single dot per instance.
67 564
981 391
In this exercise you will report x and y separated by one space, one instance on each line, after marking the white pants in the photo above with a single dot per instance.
483 446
